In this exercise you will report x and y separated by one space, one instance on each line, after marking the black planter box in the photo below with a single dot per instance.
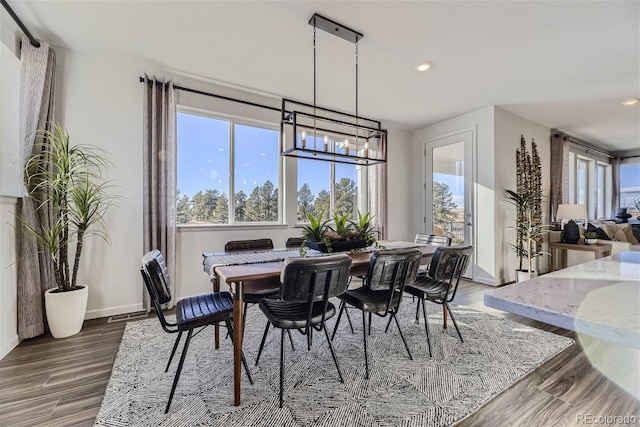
338 245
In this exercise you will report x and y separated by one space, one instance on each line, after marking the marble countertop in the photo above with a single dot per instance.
600 298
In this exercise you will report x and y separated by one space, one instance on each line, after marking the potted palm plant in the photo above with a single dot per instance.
67 180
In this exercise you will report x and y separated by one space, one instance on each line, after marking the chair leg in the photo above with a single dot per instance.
401 335
364 334
290 339
418 310
369 323
281 365
335 328
264 338
348 318
173 351
244 360
388 324
177 377
244 318
444 318
454 320
426 327
333 353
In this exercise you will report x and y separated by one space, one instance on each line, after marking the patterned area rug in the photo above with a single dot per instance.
437 391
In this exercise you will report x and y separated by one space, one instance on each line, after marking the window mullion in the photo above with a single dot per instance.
232 184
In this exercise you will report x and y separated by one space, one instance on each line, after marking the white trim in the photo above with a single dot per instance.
8 200
485 281
112 311
9 345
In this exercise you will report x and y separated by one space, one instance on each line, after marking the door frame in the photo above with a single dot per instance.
470 186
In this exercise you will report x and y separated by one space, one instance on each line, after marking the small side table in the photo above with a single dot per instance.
599 249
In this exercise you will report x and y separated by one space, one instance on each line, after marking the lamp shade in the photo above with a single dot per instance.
571 211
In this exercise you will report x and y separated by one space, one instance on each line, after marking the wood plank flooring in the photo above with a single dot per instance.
48 382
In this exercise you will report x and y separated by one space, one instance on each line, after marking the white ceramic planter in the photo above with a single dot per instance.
65 311
522 275
591 241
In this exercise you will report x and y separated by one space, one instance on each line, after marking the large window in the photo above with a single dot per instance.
328 188
228 171
630 187
581 181
601 186
590 183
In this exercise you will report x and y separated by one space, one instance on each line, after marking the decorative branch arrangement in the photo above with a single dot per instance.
528 199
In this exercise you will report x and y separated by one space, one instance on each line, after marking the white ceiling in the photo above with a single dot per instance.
566 65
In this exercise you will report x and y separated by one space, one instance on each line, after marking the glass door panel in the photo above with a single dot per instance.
448 186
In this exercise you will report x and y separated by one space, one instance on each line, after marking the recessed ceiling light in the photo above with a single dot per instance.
632 101
424 66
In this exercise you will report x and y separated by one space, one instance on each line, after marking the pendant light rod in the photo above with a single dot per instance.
335 28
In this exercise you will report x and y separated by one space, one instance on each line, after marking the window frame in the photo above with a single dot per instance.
362 183
232 121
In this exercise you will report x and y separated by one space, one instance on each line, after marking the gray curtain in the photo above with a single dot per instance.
615 185
35 269
559 172
159 175
377 193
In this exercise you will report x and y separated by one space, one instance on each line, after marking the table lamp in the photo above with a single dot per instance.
570 231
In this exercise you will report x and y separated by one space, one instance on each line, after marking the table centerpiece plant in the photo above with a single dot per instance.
343 235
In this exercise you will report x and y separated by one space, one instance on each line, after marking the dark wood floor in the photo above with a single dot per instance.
48 382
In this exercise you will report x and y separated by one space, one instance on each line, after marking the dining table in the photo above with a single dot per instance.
236 268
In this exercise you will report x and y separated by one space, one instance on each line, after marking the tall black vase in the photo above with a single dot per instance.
622 215
571 233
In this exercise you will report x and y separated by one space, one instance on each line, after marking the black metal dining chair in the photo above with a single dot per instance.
307 285
191 313
441 283
294 242
389 271
432 240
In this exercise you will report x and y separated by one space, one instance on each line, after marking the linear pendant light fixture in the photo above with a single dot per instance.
311 132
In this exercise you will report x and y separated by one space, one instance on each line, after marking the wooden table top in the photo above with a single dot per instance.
265 270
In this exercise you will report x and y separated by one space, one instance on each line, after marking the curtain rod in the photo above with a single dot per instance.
34 41
584 145
215 95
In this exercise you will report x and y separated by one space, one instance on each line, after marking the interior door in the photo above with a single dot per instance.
449 189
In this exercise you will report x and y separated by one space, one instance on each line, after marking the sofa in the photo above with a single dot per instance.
622 237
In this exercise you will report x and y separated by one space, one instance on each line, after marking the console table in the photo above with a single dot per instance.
599 249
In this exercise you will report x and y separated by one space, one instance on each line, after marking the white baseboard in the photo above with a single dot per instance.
485 281
9 345
112 311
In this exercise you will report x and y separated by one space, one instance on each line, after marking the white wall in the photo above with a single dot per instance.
508 128
9 187
10 162
8 290
100 102
481 122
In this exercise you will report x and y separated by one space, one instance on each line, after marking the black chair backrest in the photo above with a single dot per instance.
314 279
391 269
246 245
433 240
156 279
294 242
156 276
448 264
